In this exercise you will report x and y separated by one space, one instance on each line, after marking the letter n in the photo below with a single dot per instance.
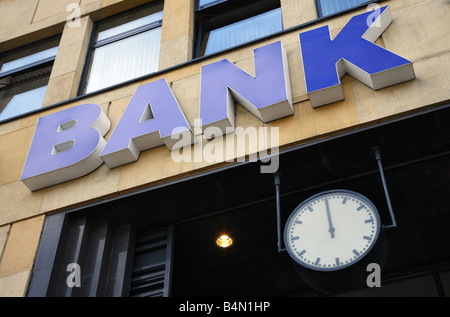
267 95
66 145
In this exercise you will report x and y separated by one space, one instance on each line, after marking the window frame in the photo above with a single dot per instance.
28 67
223 13
206 6
37 65
94 44
321 16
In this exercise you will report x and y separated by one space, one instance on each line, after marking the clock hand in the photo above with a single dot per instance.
331 229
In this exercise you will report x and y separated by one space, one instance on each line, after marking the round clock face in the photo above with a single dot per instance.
332 230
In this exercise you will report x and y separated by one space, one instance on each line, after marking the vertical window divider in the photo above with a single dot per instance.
169 262
87 61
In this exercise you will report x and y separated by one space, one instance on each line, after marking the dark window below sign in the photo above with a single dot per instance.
151 268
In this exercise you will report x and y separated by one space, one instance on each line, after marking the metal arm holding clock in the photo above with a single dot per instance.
376 152
333 235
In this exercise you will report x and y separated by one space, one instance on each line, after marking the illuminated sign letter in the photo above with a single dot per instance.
152 118
267 95
353 52
66 145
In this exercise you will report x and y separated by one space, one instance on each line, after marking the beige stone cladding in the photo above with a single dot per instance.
419 32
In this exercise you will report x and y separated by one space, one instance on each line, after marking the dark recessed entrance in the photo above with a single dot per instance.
240 201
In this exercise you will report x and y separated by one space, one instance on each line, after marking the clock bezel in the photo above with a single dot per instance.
294 213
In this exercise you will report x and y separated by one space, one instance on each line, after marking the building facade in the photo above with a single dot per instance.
133 134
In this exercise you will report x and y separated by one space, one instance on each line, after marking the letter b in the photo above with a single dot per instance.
66 145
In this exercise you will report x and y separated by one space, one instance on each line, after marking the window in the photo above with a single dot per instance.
202 4
151 272
113 258
327 7
24 76
124 48
221 25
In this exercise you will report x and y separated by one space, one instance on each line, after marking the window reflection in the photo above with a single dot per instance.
327 7
22 102
24 75
28 61
126 47
220 25
205 3
124 60
244 31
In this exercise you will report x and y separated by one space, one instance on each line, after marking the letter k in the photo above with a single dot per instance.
351 52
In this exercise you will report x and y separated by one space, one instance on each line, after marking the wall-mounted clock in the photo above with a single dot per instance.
332 231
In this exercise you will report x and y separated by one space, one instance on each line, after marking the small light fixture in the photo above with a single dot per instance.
224 241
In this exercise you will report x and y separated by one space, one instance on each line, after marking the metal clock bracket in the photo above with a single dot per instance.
277 182
376 153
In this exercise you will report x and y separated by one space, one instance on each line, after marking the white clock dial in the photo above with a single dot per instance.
332 230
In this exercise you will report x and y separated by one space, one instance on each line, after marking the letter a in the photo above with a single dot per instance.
353 52
74 278
374 278
152 118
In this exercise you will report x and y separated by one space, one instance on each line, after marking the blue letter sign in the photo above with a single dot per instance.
353 52
69 144
152 118
267 95
66 145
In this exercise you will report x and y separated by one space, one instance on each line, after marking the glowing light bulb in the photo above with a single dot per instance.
224 241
